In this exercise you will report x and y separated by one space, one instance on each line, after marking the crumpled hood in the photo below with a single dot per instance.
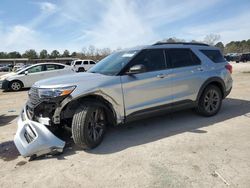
86 79
7 75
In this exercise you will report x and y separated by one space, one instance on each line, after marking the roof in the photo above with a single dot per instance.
49 63
181 43
172 45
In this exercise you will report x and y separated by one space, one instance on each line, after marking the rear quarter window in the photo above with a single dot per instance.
60 67
214 55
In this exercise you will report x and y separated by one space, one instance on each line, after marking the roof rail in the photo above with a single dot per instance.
183 43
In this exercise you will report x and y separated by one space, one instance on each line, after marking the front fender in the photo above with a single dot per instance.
116 106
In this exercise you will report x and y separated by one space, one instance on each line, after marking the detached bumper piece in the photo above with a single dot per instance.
35 139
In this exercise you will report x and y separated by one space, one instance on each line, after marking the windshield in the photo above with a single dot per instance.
18 69
113 64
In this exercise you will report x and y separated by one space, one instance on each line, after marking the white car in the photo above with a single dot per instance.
26 77
82 65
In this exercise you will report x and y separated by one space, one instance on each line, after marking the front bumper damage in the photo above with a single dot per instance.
35 139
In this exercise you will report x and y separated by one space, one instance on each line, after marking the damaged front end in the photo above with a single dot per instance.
33 138
36 124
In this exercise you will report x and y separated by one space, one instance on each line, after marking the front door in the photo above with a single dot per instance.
148 90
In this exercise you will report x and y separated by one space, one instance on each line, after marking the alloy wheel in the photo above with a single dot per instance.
15 86
212 101
96 124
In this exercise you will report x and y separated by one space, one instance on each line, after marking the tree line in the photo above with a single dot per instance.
213 39
90 52
235 46
96 54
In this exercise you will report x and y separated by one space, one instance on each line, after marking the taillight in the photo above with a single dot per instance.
229 68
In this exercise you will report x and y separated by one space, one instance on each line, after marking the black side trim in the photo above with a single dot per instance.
216 80
159 110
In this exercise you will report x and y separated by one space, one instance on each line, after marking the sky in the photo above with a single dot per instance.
75 24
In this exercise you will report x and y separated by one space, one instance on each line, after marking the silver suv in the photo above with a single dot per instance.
127 85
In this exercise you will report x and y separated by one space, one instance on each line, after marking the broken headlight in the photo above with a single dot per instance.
55 92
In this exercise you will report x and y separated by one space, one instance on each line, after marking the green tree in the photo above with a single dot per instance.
55 54
74 54
3 55
66 53
43 54
221 46
14 55
31 54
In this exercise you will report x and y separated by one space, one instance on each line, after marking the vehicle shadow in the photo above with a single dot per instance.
23 89
6 119
8 151
153 129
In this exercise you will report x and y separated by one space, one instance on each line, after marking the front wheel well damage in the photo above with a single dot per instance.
68 111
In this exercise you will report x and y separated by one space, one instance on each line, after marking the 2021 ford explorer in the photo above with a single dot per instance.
125 86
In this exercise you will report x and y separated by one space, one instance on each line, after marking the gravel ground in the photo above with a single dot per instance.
175 150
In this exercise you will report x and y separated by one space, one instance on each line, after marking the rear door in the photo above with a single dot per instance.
186 74
53 70
147 91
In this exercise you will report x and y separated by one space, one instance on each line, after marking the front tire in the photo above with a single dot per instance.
16 86
89 126
210 101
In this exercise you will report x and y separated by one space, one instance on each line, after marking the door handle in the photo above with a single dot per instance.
161 76
200 69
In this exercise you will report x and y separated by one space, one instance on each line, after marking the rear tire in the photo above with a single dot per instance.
16 85
81 69
89 126
210 101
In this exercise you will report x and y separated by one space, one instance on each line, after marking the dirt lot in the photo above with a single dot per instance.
175 150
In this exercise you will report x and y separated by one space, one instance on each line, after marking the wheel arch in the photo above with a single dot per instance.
15 80
91 99
213 81
81 69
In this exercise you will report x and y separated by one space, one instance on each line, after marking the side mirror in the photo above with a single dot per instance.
26 72
136 69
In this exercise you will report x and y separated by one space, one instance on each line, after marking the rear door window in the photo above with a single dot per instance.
86 62
182 58
35 69
214 55
60 66
51 67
